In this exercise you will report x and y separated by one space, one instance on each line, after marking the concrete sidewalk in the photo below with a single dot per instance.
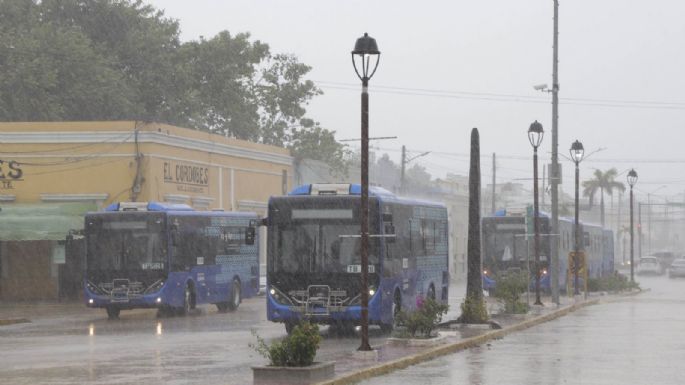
352 367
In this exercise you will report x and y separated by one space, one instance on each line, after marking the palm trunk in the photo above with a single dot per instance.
473 308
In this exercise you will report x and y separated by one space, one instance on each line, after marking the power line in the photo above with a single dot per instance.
490 96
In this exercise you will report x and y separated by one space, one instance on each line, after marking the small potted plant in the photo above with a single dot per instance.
291 360
419 325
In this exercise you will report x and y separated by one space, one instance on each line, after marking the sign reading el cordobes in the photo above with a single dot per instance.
186 176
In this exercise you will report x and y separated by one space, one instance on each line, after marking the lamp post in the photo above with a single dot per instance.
535 134
632 179
365 58
577 153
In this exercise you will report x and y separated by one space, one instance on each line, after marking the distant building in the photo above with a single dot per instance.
52 173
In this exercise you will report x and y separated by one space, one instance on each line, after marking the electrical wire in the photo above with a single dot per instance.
86 145
79 158
491 96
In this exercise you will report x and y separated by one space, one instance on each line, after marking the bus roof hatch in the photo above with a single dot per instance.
330 189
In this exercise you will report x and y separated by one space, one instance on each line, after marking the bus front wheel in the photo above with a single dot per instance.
290 326
236 296
431 292
113 312
395 311
188 301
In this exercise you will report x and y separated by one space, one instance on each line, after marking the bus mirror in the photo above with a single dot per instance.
249 235
174 235
389 233
264 221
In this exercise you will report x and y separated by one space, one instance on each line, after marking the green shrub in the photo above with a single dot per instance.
297 349
425 319
473 310
510 286
613 283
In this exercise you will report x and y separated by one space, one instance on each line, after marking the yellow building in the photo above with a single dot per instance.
52 173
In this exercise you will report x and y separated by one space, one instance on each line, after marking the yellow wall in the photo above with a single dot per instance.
97 160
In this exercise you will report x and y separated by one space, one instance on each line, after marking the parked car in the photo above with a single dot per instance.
677 268
649 265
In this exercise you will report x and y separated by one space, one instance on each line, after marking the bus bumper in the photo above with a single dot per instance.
153 300
277 312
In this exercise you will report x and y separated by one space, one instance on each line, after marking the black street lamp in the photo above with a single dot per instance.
535 134
364 54
632 179
577 153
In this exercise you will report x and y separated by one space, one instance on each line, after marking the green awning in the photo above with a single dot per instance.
41 221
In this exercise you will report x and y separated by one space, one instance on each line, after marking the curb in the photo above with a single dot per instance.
13 321
442 350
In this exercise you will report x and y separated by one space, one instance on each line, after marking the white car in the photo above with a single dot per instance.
648 265
677 268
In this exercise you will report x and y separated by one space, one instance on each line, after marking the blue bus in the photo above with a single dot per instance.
314 263
169 257
508 244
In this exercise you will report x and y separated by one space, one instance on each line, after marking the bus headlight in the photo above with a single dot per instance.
372 292
90 301
279 297
159 299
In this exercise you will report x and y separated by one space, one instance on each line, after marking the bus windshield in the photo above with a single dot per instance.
115 244
321 246
506 246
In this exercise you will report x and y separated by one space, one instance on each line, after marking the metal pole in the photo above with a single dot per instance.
632 267
494 181
555 158
365 218
576 231
639 230
536 224
649 224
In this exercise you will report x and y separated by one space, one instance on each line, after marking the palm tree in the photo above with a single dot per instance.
604 182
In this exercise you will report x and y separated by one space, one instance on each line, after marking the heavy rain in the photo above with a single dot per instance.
189 196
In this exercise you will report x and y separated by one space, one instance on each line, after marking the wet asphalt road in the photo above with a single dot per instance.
637 340
71 344
79 345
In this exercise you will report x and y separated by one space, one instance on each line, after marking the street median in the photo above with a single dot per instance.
448 348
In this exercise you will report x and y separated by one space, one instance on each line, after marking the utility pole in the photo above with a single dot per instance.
618 226
404 161
494 181
555 157
544 189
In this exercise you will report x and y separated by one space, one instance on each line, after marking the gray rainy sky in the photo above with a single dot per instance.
448 66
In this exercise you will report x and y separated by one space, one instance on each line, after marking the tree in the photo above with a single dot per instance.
319 144
603 182
122 59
